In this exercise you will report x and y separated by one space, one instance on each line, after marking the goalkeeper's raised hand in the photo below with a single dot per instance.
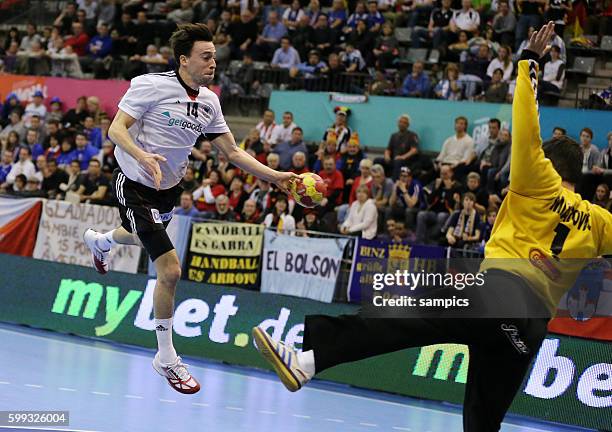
539 41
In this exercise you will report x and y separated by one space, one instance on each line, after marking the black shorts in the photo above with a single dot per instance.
146 212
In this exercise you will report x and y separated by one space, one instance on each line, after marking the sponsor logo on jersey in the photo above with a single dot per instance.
542 261
183 124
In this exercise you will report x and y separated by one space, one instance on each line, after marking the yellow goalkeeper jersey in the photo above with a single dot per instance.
543 232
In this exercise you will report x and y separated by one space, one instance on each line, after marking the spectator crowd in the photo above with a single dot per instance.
316 45
405 195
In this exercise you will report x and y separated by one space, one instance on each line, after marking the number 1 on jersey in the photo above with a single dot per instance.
561 235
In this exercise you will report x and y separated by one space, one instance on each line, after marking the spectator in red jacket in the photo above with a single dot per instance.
335 184
211 188
79 40
237 196
249 213
364 179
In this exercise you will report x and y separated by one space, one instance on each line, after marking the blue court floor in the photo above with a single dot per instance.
107 387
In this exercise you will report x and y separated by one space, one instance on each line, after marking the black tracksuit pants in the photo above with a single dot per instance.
500 351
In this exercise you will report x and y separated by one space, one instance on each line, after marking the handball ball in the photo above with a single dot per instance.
309 190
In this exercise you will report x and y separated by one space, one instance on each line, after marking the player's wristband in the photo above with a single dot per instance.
529 55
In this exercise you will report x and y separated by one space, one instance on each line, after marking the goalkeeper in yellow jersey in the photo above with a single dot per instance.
542 233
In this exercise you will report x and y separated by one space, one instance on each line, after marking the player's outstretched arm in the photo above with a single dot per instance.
118 133
226 143
531 174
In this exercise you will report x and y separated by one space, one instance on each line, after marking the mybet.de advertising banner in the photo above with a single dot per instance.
568 381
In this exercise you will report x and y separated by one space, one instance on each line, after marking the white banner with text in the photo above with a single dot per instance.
60 235
303 267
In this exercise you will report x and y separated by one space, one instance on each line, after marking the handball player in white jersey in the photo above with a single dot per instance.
158 122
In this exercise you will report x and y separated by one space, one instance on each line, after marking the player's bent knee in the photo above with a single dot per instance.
170 275
168 268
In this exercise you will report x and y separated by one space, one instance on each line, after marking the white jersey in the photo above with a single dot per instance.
32 110
169 119
280 133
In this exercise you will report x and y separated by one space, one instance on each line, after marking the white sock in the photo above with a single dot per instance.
307 362
163 330
106 241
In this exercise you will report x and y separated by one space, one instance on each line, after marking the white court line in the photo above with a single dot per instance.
399 428
132 396
301 416
522 428
66 389
100 393
306 389
368 424
232 408
167 400
200 404
4 382
267 412
33 385
46 429
334 420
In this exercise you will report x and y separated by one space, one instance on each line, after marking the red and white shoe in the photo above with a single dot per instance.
177 375
99 257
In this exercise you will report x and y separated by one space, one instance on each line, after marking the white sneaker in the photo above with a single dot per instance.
282 358
177 375
99 257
